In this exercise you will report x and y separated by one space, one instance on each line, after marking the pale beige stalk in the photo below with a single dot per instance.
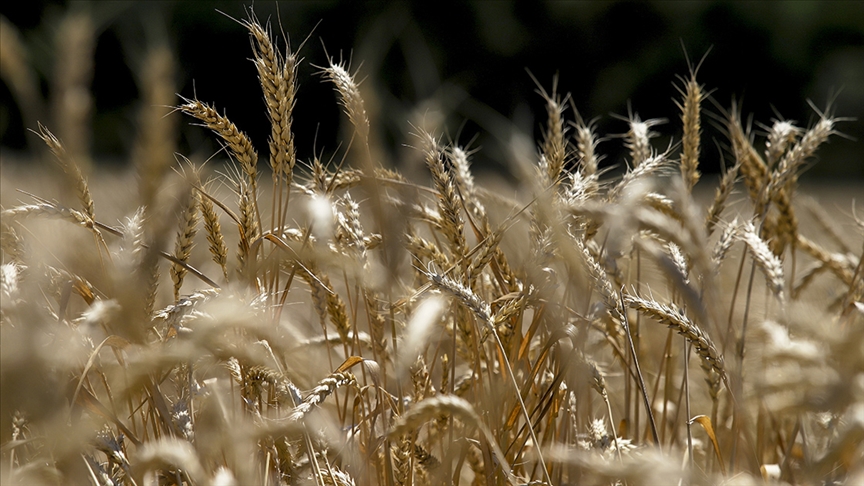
155 143
73 71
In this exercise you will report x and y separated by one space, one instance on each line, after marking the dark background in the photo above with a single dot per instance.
470 61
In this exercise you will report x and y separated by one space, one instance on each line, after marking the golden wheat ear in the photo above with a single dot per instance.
692 94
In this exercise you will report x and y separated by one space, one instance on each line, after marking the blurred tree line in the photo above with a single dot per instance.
464 67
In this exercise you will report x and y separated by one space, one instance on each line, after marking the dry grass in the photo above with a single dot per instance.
375 330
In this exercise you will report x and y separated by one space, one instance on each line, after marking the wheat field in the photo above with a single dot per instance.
272 320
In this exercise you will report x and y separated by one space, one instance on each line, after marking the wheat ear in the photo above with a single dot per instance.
215 238
71 168
752 167
673 317
448 200
721 196
349 92
638 138
586 152
184 242
554 143
322 390
781 134
237 141
693 95
454 406
765 259
483 312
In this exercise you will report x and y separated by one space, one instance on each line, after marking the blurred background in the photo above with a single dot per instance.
459 67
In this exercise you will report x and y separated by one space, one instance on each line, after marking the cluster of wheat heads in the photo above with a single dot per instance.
360 328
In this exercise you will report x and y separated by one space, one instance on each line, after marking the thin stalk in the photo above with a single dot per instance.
638 370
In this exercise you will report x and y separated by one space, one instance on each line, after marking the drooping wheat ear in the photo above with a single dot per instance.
156 139
236 140
662 204
424 249
766 260
72 101
675 318
215 238
448 200
513 307
184 242
449 405
71 168
469 299
601 281
349 92
693 95
649 166
721 196
781 134
322 390
284 390
841 266
45 209
752 167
